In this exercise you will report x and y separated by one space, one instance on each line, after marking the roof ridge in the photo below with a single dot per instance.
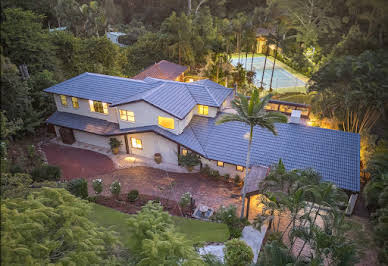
113 77
68 80
211 95
196 138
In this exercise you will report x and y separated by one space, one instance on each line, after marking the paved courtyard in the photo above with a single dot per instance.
88 164
77 162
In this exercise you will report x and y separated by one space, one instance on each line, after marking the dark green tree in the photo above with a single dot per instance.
52 226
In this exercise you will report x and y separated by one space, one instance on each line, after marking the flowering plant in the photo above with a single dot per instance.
97 185
115 188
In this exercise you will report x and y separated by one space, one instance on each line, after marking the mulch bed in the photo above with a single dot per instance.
123 205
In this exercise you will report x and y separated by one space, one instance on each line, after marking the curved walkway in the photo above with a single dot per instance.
77 162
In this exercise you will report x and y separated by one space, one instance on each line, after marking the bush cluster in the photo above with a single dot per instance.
78 187
115 188
227 215
237 253
133 195
97 185
46 172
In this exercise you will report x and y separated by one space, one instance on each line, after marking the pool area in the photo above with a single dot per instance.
281 77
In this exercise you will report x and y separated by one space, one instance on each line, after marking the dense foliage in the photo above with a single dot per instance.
51 226
156 242
376 197
78 187
237 253
46 172
306 200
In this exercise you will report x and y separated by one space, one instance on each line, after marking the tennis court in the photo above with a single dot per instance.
281 77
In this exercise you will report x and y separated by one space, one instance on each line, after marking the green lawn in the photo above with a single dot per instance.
195 230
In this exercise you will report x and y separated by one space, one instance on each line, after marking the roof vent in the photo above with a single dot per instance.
295 117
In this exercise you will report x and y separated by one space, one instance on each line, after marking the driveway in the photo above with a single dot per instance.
77 162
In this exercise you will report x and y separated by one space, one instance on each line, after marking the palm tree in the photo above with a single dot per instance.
252 113
324 195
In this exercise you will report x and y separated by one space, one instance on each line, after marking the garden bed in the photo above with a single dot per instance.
123 205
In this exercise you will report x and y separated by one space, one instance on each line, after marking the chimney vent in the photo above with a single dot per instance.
295 117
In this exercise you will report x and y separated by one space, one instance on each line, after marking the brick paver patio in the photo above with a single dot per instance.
77 162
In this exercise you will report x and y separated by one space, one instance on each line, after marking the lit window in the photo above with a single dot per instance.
136 143
239 168
219 163
127 115
98 107
74 100
63 100
184 152
166 122
203 110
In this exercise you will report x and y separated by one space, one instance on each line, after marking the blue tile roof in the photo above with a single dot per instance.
100 87
334 154
173 97
105 128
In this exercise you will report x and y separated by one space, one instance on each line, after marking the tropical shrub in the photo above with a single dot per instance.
237 253
115 188
215 173
114 143
14 185
189 160
237 179
15 168
227 177
185 200
275 253
133 195
227 215
78 187
155 240
97 185
34 158
205 170
46 172
30 229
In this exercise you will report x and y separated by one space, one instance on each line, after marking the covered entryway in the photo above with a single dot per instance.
67 135
251 183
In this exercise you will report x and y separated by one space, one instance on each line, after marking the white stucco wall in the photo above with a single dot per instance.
212 111
227 169
97 140
84 109
153 143
146 115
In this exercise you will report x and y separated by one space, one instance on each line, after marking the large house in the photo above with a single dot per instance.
168 117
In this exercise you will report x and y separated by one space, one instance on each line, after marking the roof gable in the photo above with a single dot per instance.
162 70
100 87
173 97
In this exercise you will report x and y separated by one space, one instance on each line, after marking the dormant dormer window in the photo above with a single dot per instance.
74 100
98 107
63 100
166 122
127 115
203 109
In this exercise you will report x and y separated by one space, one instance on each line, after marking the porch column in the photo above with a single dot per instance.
248 203
126 143
179 152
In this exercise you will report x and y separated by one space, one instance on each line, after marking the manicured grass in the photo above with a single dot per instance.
195 230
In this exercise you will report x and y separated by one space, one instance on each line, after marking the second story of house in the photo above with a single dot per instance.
136 103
